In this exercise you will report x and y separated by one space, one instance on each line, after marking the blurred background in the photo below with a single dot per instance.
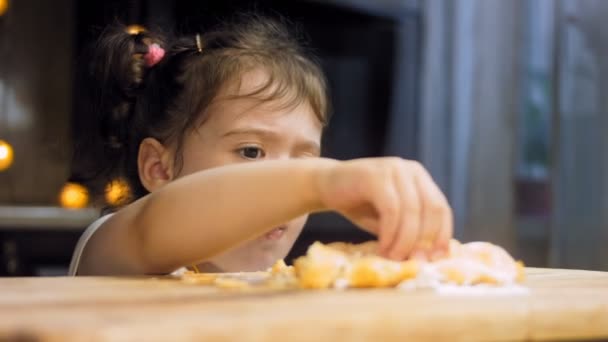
503 101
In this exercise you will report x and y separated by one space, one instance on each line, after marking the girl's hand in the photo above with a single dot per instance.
393 198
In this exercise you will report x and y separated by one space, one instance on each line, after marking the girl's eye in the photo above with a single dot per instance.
251 152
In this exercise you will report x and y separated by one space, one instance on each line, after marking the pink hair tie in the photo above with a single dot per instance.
154 55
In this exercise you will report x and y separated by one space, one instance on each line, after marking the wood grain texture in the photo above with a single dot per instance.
564 304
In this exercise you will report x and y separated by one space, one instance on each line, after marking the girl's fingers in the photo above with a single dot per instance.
436 217
432 214
386 202
442 242
409 216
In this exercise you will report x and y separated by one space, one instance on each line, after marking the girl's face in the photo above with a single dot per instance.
243 130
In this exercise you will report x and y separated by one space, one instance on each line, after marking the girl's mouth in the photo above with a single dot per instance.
276 233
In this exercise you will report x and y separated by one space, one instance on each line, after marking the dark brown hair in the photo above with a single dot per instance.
124 101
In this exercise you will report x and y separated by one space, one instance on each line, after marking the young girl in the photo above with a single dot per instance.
219 138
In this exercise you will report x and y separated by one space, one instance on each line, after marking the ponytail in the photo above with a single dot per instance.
113 75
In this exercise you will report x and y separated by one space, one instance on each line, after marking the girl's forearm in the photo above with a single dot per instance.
203 214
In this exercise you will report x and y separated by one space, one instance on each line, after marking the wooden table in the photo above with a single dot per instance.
568 304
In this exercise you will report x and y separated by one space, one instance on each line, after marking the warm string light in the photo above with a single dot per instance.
6 155
133 29
74 196
117 192
3 7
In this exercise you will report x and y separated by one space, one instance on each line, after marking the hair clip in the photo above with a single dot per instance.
154 55
199 45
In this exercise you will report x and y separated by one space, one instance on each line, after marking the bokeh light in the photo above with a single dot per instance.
117 192
74 196
3 7
6 155
133 29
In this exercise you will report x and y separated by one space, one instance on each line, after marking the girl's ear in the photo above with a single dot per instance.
155 164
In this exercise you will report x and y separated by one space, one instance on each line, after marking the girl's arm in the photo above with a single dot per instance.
200 215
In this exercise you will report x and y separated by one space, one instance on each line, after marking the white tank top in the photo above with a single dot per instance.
84 239
82 242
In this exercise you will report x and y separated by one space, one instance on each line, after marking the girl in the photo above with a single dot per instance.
183 122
